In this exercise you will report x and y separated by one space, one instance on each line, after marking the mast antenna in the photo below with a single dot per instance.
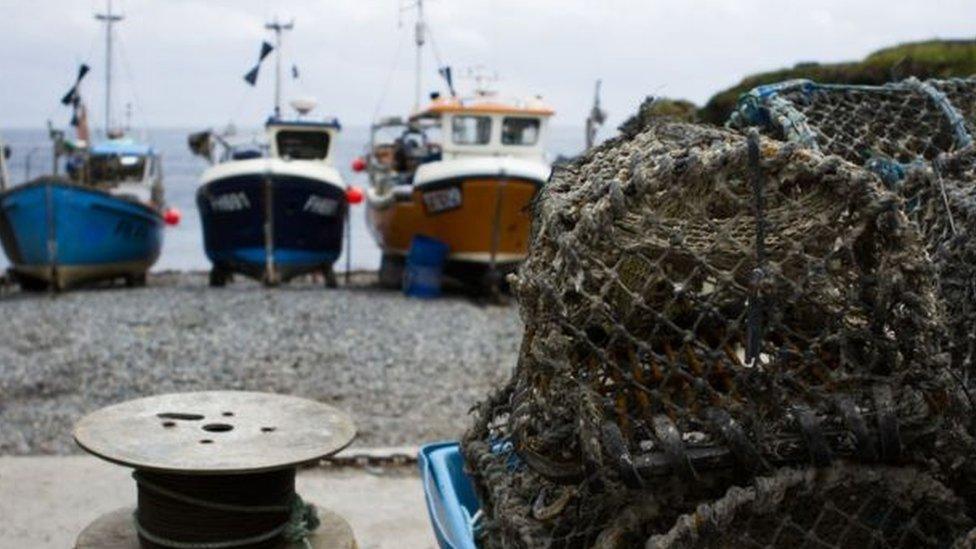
109 19
278 28
596 118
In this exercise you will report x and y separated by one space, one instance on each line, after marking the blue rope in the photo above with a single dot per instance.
768 107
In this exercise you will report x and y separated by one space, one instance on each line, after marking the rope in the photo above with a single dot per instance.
956 120
133 88
252 511
433 47
755 333
389 77
945 198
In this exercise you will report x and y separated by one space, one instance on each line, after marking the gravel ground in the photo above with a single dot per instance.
408 370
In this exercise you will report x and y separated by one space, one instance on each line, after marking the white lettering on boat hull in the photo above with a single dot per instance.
442 200
319 205
230 202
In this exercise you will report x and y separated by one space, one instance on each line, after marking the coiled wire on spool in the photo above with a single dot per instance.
255 511
216 470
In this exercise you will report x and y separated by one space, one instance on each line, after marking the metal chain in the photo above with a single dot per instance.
367 459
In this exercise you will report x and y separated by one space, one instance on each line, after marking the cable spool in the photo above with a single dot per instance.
216 470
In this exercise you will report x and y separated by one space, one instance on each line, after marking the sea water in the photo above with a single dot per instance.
183 244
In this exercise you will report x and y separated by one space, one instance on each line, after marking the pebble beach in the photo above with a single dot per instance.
407 370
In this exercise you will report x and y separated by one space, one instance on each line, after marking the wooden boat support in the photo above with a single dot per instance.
270 277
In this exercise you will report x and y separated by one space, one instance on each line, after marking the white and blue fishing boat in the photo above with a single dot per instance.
101 218
274 210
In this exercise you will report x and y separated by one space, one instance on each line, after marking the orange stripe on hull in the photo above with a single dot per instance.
469 230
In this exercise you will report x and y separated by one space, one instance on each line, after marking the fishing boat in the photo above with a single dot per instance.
101 218
462 170
276 210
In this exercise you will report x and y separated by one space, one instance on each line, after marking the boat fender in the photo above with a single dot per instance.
354 194
172 216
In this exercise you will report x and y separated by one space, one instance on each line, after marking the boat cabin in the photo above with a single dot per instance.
285 139
119 165
120 161
450 129
301 140
489 128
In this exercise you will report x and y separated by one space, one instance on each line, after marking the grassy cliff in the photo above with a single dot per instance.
931 59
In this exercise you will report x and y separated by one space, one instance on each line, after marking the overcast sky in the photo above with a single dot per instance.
181 62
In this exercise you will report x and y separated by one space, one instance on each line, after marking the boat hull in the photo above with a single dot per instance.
272 226
484 220
63 234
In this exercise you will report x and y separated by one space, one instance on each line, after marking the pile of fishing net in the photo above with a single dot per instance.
942 204
917 137
734 341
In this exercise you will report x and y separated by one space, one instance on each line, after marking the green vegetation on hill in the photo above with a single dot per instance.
931 59
654 108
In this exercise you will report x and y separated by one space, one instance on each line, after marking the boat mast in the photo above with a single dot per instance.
109 19
278 28
420 33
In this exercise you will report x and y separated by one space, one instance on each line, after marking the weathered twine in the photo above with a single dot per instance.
695 317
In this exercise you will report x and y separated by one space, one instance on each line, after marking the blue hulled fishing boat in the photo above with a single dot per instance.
278 215
59 233
278 209
102 218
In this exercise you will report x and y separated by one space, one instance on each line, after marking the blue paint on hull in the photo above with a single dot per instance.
51 223
307 229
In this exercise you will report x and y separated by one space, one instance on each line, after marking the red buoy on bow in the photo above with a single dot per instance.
172 216
354 194
359 164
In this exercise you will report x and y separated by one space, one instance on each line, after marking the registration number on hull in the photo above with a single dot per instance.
230 202
442 200
319 205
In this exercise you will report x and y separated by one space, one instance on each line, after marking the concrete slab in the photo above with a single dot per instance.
45 502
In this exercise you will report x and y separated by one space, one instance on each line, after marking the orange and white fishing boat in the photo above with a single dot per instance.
462 170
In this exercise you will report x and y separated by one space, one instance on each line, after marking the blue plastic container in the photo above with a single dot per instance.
450 496
425 266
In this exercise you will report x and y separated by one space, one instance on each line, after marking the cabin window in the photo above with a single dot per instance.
110 168
471 130
299 145
520 131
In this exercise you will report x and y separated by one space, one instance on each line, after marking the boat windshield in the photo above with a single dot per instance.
523 131
107 168
471 130
402 148
117 160
302 145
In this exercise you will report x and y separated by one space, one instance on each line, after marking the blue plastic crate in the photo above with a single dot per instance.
425 266
450 496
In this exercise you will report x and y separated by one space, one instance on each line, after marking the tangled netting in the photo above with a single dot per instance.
942 204
843 506
701 310
918 137
897 124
